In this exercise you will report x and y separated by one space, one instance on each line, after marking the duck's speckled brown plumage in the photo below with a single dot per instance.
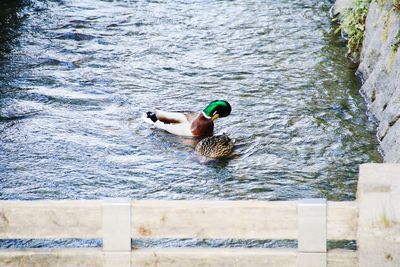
215 146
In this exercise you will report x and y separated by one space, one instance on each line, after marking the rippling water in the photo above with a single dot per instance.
76 77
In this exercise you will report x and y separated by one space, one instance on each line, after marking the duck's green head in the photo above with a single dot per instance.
217 109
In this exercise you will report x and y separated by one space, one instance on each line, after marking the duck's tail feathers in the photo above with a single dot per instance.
149 117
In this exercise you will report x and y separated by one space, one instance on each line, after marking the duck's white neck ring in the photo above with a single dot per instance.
207 117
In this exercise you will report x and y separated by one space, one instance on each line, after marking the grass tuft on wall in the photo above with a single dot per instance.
353 26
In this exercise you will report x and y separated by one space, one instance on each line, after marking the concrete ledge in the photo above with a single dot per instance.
378 196
172 257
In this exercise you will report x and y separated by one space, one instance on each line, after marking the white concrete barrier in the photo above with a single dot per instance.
372 220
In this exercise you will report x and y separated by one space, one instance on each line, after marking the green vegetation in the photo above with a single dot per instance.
385 220
396 44
354 26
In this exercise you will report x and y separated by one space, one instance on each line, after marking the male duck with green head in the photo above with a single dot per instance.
190 123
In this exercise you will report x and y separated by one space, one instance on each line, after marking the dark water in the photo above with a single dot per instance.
76 76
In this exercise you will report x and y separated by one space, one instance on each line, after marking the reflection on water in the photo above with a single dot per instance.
77 75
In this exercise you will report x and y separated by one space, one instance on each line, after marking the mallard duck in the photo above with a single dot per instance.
190 123
217 146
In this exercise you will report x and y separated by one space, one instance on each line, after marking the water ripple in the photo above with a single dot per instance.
79 74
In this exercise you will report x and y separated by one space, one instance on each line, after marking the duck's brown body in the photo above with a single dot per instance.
202 126
218 146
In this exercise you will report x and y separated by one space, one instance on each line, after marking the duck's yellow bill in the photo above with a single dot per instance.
215 116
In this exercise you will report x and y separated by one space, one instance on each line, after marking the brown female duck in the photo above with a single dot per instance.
218 146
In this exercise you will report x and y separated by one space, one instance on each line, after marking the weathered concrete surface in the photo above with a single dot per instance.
378 197
170 257
74 257
54 219
380 70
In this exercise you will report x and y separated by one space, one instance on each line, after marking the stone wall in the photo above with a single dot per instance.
380 71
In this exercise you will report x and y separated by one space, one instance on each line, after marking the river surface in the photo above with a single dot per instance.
77 75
